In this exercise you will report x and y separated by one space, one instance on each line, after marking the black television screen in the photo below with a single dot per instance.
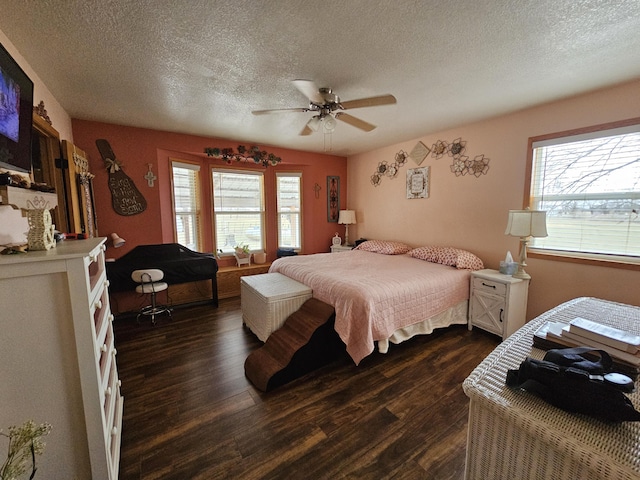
16 111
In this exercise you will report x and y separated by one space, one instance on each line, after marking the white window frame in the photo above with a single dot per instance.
226 245
599 222
191 217
294 222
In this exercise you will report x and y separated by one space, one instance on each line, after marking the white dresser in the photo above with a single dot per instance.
57 357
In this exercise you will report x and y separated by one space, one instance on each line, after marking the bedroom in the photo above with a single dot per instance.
466 212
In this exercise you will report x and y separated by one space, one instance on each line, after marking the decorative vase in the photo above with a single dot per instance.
259 258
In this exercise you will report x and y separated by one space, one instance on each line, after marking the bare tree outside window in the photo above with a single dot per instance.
589 186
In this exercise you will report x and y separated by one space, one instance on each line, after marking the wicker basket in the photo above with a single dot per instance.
268 299
514 434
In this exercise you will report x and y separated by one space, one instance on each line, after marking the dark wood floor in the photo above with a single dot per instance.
190 413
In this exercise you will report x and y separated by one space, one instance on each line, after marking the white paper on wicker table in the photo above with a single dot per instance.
555 440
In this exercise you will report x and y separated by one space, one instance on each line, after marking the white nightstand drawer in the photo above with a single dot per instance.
490 286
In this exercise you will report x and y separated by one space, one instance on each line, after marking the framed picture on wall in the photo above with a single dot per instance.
333 198
418 182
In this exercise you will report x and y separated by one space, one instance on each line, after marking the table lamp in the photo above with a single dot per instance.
524 224
116 240
346 218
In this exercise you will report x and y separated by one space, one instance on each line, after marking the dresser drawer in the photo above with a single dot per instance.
96 273
115 435
107 356
111 394
490 286
102 317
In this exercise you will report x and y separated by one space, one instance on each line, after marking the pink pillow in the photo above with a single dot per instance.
453 257
385 247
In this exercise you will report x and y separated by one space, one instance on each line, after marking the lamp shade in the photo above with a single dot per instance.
116 240
347 217
527 223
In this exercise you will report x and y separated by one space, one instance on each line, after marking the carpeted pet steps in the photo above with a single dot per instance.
306 341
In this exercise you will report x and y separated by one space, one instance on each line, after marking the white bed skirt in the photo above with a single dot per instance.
456 315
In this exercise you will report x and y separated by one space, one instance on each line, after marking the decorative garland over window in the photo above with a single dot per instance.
244 154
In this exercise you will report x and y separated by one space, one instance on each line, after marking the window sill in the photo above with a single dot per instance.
585 259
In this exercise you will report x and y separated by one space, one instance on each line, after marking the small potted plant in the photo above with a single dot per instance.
242 254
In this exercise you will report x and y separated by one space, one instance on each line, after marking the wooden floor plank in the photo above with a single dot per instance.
190 413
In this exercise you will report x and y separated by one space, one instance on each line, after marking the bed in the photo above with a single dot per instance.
386 291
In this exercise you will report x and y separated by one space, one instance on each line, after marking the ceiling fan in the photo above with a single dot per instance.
329 108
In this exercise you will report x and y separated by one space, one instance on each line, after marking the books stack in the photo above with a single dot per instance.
622 346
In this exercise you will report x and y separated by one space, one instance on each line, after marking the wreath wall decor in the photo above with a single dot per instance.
386 169
439 149
457 147
461 164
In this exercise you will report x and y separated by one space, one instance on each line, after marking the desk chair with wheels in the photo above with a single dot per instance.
150 282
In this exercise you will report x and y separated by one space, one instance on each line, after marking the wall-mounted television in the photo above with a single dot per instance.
16 114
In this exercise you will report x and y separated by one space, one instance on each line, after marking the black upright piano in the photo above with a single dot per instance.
179 264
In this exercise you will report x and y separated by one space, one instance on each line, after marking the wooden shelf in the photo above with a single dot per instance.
229 278
27 199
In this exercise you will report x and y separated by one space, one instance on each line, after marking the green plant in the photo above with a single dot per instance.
24 442
244 248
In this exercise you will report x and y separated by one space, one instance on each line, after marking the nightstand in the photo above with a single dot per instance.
341 248
498 303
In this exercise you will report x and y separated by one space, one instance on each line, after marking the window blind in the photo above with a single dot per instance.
186 204
238 205
289 205
589 185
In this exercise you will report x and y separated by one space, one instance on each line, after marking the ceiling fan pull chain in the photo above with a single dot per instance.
327 134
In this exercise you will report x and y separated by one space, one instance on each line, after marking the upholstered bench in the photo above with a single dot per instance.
268 299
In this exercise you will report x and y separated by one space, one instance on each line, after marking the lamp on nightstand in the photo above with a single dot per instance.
346 218
524 224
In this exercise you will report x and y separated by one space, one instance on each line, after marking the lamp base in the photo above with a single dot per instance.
523 260
521 274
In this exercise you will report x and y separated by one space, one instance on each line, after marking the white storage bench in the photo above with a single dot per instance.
268 299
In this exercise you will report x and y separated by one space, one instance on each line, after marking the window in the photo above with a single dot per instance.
288 188
238 206
186 204
589 185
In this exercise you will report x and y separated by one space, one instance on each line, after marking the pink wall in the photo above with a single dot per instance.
471 213
135 148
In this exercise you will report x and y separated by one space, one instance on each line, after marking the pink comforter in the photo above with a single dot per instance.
375 295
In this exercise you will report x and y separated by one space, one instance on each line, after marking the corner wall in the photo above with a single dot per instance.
471 212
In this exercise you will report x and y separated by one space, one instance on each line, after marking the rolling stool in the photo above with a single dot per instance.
150 283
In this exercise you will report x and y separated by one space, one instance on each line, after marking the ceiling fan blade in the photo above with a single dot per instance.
279 110
309 89
355 122
369 102
306 131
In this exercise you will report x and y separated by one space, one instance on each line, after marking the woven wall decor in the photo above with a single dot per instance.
386 169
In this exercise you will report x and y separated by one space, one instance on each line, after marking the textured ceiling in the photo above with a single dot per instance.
201 66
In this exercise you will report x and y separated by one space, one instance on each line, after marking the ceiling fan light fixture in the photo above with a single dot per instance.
329 123
314 123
